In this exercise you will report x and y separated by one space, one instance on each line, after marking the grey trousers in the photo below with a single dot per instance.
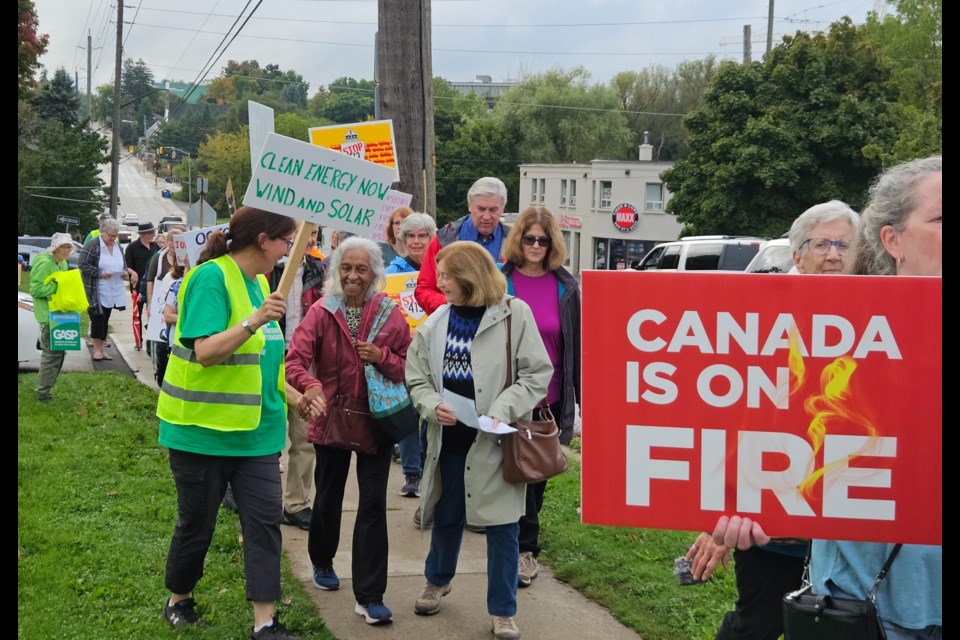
298 490
50 364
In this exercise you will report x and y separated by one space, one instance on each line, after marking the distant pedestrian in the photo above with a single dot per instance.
137 256
51 260
96 232
103 270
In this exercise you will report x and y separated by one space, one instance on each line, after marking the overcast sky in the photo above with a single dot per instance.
504 39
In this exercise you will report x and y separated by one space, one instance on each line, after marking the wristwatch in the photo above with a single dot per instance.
246 327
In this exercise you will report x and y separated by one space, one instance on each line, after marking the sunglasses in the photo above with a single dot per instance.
543 241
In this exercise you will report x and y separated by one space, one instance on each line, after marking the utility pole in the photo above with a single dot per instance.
770 26
89 78
115 144
747 49
405 79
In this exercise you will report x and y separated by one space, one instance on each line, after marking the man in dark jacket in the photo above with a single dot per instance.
137 257
485 200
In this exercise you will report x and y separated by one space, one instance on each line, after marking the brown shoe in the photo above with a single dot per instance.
505 628
528 568
429 601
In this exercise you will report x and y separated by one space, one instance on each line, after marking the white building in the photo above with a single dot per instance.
611 212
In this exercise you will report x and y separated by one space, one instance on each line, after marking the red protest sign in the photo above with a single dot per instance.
811 403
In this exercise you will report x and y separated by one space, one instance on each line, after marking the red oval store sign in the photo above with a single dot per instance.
625 217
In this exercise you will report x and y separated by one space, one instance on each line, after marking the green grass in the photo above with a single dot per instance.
96 507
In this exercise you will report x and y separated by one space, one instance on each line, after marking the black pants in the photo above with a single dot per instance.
99 322
763 577
530 521
370 545
162 354
201 482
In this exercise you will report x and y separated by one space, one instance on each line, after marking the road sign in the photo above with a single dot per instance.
68 220
202 185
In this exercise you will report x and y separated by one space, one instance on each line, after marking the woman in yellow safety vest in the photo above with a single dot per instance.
223 411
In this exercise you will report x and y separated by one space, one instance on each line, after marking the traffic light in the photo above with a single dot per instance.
159 151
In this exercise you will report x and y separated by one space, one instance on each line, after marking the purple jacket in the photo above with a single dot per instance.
312 358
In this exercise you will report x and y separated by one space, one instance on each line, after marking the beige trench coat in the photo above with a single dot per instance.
490 499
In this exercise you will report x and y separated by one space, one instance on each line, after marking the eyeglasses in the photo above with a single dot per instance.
821 246
289 243
543 241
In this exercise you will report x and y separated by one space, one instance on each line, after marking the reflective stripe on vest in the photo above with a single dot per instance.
225 396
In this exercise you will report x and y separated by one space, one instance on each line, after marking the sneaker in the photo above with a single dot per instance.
47 397
411 488
528 568
275 631
182 614
375 613
505 628
418 519
325 578
395 454
476 528
229 501
429 601
299 519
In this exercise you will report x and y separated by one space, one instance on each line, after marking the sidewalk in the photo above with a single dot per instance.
547 610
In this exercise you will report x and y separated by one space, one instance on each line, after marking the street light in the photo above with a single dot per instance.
189 173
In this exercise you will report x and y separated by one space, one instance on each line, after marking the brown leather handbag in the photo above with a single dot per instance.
533 453
349 423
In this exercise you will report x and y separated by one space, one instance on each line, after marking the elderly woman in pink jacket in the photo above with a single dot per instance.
353 326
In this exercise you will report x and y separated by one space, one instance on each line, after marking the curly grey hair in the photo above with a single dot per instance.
892 197
332 284
823 212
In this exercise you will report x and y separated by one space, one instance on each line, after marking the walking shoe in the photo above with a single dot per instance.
181 614
505 628
418 517
528 568
476 528
325 578
299 519
395 453
429 601
411 488
275 631
375 613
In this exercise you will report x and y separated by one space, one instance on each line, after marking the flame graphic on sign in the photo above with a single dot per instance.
833 404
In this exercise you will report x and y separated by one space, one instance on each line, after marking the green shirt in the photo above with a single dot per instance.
208 309
90 236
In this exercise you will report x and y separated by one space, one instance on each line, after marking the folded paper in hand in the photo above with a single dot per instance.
466 411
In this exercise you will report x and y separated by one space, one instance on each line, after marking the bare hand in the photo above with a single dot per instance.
105 275
273 308
313 403
445 415
738 532
705 554
369 352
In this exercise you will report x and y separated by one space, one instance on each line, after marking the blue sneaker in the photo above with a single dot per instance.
325 578
375 613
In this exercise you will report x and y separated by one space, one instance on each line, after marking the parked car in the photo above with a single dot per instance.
124 234
702 253
27 246
170 221
774 257
28 331
131 219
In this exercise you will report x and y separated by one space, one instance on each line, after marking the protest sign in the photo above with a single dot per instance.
194 240
812 404
400 287
394 200
373 141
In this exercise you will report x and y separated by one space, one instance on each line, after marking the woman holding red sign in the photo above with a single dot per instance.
901 233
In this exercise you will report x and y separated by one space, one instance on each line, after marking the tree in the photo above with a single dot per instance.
102 105
559 117
57 99
479 148
295 125
451 108
30 46
776 137
62 157
225 156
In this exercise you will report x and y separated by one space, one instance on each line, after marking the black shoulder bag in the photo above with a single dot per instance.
807 615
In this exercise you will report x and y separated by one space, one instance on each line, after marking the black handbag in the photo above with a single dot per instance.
807 615
533 453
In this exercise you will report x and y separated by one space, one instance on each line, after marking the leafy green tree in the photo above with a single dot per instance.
57 99
225 156
295 125
776 137
559 117
479 148
451 108
61 157
30 46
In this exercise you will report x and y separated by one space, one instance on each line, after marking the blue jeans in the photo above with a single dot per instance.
413 450
449 518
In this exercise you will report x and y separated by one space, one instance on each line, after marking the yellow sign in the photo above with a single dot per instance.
400 287
372 141
130 149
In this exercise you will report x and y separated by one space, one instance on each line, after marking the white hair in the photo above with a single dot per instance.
332 284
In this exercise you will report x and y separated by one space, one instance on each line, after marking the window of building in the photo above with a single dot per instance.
533 190
606 191
543 188
573 193
653 197
563 193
